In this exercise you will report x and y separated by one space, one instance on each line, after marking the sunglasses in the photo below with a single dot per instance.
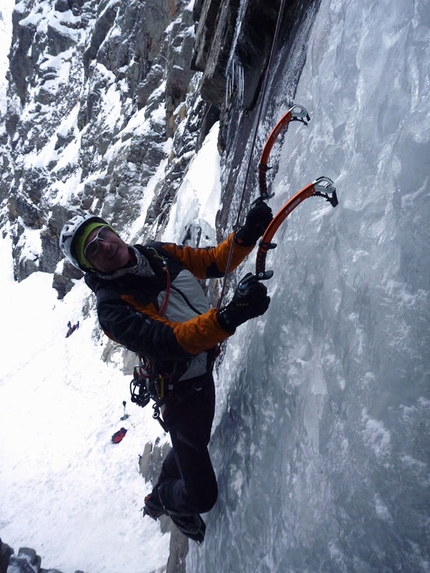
93 246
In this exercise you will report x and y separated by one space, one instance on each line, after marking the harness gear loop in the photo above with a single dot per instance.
147 385
254 138
156 414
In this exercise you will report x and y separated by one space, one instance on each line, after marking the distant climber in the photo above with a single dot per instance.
71 329
118 436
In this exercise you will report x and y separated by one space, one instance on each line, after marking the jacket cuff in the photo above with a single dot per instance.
225 322
245 237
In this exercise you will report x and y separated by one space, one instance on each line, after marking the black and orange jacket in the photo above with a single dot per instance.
129 306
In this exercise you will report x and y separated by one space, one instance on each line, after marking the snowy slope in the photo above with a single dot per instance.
64 488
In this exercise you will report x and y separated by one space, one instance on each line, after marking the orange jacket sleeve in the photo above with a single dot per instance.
211 262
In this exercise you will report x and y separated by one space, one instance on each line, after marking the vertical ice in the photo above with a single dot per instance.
322 443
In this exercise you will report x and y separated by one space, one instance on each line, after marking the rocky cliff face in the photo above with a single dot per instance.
104 95
96 91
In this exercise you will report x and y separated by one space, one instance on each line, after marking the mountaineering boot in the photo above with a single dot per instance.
192 526
153 506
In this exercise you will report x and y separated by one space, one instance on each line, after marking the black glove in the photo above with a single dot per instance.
249 300
256 223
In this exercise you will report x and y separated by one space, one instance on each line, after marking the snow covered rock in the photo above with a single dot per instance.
26 561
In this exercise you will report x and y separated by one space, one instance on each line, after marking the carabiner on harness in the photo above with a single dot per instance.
139 391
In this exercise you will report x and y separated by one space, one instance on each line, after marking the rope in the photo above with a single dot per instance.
163 307
254 138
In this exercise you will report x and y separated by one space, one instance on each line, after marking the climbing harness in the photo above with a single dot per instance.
159 388
151 381
147 384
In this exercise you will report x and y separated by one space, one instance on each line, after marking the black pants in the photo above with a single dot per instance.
187 482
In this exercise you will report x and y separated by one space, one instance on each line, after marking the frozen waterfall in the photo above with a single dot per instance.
322 444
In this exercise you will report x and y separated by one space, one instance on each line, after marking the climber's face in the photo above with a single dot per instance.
105 250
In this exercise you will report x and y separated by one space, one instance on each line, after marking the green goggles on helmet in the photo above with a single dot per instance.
84 252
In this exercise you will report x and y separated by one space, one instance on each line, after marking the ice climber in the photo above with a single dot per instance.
149 299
